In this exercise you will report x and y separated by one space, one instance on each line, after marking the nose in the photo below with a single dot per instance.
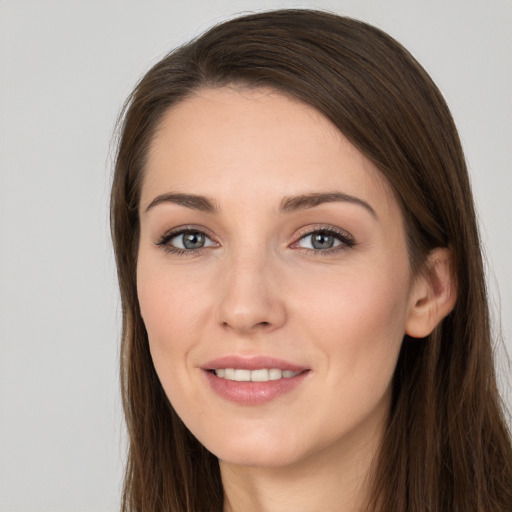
251 298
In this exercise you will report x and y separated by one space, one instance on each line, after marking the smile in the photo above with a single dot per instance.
259 375
253 380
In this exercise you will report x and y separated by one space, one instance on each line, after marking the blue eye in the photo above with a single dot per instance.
325 240
189 240
185 240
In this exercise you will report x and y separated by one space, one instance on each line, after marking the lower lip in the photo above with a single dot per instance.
253 393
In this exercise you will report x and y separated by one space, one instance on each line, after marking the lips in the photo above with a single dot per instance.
253 380
252 363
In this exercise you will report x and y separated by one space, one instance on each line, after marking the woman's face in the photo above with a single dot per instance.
273 278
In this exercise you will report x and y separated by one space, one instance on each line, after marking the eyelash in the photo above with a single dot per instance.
346 240
164 241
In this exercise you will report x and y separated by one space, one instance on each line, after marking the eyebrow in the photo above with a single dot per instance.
303 202
192 201
288 204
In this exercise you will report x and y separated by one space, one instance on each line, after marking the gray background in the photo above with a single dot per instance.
65 68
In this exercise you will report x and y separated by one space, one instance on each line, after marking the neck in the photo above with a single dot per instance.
335 479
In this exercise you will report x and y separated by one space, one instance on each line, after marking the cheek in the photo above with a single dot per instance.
359 322
174 306
169 302
355 295
165 313
357 326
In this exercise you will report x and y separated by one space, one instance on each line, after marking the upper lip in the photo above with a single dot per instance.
252 363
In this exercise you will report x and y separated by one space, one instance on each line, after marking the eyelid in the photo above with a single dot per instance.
164 239
347 240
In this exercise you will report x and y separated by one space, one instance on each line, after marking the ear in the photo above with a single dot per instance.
433 295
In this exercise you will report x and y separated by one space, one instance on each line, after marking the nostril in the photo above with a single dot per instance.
258 325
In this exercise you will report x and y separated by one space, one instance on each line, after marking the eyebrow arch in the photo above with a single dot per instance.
288 204
294 203
192 201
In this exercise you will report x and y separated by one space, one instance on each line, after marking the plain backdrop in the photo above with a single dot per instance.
65 69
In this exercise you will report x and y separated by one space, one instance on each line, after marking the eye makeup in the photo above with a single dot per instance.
323 240
186 240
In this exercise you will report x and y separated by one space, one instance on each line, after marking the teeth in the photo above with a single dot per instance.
243 375
275 374
261 375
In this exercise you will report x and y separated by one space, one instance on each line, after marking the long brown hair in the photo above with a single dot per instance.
447 446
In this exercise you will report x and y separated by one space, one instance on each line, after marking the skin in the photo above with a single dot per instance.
259 288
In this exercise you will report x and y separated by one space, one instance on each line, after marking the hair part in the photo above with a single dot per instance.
446 446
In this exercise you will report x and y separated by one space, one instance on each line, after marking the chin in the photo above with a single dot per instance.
257 450
262 458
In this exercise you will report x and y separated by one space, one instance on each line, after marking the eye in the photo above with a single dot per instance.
190 240
326 240
185 240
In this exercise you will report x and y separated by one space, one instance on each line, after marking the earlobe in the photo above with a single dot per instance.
433 295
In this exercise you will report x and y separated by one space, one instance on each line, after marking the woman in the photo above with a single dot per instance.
305 319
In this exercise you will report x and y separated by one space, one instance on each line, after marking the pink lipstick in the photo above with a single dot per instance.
253 380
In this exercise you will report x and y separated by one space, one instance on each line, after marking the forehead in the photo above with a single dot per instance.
232 141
